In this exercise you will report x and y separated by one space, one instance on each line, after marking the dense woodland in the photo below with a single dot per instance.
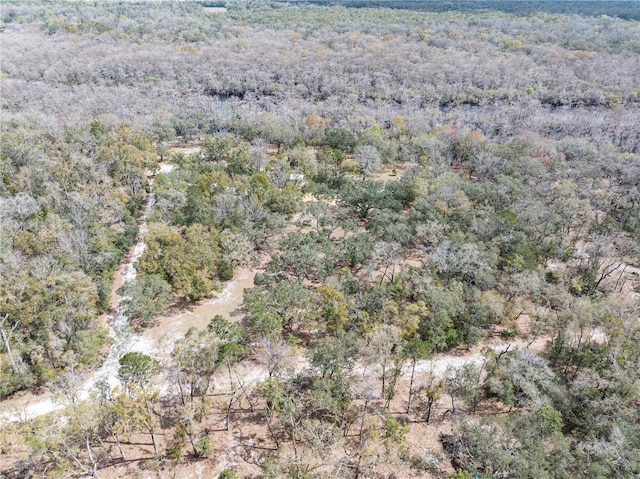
409 184
626 9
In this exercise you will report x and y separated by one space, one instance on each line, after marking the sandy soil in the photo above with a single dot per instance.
29 405
198 315
248 441
185 149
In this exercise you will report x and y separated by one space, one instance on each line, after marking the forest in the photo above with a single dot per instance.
626 9
320 240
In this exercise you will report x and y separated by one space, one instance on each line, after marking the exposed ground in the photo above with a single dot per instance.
247 441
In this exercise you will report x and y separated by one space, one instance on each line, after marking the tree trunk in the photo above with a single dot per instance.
7 348
93 462
193 444
606 272
269 426
245 393
391 388
294 443
152 433
384 274
7 344
154 441
413 371
429 408
619 277
180 388
361 439
117 440
232 401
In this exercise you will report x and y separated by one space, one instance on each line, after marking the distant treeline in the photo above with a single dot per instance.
628 10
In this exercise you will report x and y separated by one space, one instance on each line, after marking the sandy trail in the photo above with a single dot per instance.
157 340
167 329
439 365
28 405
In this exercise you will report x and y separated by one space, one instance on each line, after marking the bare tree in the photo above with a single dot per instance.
368 158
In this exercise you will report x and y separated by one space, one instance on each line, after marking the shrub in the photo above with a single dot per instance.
203 447
460 474
225 270
227 474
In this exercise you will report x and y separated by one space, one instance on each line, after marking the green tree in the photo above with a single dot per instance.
196 358
188 258
464 382
363 197
134 407
288 301
432 388
333 308
222 147
127 155
227 474
339 139
137 368
414 350
334 355
146 298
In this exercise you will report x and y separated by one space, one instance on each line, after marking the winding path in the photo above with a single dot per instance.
28 406
157 339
